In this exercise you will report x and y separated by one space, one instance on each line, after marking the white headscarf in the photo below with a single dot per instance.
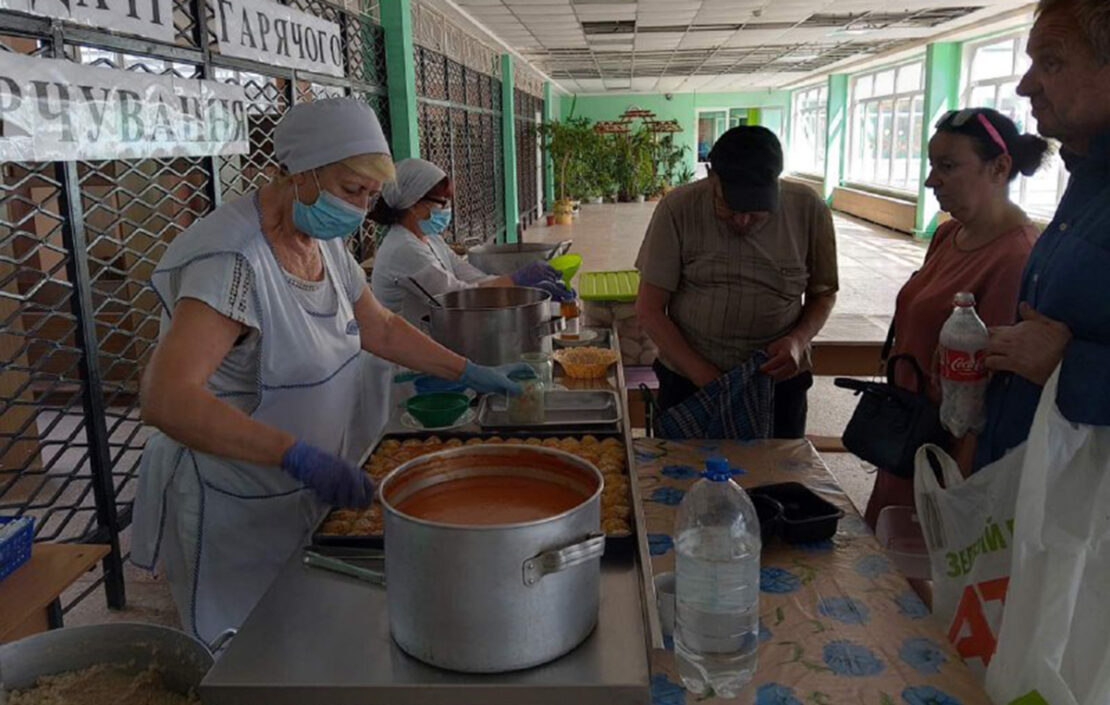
322 132
415 178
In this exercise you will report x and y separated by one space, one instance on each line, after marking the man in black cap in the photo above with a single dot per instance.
737 263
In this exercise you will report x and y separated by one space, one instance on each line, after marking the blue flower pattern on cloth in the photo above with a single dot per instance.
844 610
910 605
658 544
847 658
775 694
664 691
872 565
778 581
927 695
923 655
680 472
670 496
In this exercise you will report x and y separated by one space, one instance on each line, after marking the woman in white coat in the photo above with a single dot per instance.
253 386
413 255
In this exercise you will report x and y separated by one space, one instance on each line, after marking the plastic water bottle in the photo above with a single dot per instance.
963 378
716 585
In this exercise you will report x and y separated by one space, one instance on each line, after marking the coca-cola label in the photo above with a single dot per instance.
962 366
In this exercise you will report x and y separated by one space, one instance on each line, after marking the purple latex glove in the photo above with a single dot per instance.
558 290
334 480
534 273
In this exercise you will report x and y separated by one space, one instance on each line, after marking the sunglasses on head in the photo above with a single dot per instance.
959 118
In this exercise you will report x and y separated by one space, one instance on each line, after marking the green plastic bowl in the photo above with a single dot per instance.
438 409
567 265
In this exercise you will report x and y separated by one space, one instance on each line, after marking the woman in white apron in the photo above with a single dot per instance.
254 385
413 255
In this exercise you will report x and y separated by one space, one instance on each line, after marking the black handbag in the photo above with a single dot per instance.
891 423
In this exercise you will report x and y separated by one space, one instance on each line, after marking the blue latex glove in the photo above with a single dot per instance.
492 380
334 480
558 290
534 273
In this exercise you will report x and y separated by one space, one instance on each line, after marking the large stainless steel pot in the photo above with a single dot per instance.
182 660
506 259
486 599
493 325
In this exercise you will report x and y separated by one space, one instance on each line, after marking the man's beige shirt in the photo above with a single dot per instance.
732 293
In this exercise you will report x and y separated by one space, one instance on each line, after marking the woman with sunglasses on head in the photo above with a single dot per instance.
414 261
975 155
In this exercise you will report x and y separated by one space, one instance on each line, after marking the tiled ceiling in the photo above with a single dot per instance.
593 46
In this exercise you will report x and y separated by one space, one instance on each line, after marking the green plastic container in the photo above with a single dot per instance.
609 286
567 265
438 409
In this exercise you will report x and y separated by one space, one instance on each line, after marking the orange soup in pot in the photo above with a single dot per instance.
491 500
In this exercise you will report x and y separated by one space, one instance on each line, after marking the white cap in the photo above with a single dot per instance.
322 132
415 178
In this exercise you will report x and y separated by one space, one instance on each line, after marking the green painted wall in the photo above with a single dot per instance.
682 107
551 104
401 78
508 147
942 93
836 135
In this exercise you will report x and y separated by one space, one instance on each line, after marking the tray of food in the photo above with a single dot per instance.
561 408
364 528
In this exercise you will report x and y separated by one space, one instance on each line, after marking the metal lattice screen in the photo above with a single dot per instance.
529 183
78 242
460 131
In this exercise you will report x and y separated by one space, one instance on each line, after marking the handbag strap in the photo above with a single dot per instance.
917 373
888 344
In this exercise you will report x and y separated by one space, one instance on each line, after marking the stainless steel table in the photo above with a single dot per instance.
319 637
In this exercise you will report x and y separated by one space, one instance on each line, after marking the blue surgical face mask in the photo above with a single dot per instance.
328 217
436 222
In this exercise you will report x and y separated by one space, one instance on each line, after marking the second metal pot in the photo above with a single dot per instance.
507 258
487 599
493 325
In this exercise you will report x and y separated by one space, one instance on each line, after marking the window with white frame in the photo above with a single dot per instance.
809 114
993 69
887 108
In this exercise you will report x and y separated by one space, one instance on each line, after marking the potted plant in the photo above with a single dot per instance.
565 143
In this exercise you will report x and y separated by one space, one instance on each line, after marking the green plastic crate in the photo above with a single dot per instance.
609 286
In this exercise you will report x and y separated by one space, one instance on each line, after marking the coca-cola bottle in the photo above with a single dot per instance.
963 377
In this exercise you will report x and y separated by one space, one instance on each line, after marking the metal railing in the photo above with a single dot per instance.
78 242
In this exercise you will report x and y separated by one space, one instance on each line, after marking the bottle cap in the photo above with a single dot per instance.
717 470
964 299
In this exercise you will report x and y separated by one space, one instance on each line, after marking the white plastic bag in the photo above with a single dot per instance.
968 525
1056 627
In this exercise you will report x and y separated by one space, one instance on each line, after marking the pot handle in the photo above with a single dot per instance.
562 558
550 327
221 640
562 249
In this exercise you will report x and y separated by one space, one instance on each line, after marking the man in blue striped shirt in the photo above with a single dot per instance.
1064 314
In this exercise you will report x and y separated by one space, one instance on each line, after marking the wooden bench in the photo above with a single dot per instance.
30 595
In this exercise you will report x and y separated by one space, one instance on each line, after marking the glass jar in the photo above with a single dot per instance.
541 364
528 407
570 311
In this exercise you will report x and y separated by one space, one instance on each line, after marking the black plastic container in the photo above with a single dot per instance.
806 517
769 512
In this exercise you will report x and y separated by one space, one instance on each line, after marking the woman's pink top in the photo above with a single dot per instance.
992 273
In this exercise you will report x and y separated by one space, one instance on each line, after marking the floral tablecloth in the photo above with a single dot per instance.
838 624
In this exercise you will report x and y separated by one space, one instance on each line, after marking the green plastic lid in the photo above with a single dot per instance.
609 286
